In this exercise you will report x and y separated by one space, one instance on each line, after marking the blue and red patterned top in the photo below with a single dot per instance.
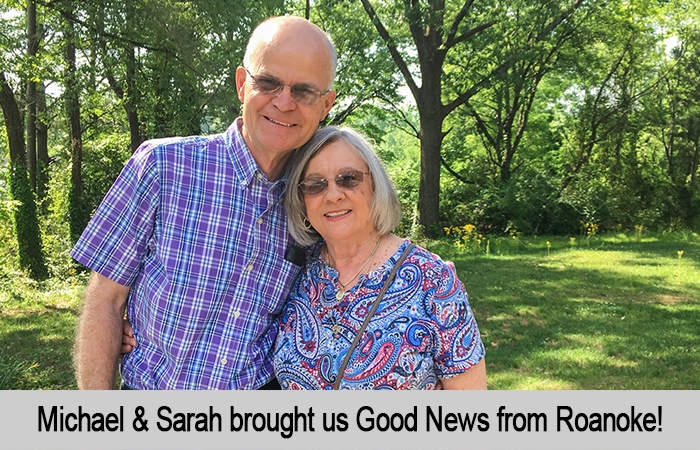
423 329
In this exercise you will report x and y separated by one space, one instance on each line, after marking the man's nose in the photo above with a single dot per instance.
284 101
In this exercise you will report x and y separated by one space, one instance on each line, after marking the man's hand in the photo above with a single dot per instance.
128 339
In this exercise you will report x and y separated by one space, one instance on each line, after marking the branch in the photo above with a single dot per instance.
470 33
455 174
465 96
455 23
481 125
405 119
102 33
400 63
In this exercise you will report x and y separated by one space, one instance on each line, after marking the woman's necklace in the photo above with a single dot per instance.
341 291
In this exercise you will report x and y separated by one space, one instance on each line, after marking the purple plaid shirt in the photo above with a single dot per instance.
200 235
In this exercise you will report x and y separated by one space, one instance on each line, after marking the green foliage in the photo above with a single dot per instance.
366 79
26 223
527 203
174 62
610 136
606 130
101 166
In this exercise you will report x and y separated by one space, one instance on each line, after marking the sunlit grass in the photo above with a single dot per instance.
622 313
37 327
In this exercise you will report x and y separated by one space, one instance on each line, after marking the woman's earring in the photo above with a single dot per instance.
307 224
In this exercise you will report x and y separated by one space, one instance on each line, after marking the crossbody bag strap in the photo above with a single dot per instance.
375 305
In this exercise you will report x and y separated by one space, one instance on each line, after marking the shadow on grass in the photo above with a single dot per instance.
554 325
43 339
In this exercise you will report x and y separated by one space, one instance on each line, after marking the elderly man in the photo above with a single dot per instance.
192 239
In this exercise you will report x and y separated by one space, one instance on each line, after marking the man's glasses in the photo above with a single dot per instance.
301 93
346 180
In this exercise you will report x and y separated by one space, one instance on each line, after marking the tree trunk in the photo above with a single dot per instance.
73 110
31 256
127 98
13 121
506 171
42 147
32 48
429 186
130 103
77 216
431 135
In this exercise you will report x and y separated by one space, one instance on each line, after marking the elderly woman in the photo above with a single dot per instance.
339 330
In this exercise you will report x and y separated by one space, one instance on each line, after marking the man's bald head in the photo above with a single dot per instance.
283 28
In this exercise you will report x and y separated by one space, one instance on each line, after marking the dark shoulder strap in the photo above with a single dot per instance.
375 305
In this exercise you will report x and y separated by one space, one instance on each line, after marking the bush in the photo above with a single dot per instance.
528 203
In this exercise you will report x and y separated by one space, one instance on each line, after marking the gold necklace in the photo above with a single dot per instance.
341 291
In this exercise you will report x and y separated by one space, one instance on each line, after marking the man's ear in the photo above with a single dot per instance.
240 83
328 104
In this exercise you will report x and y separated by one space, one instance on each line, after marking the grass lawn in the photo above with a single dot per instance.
37 327
611 312
614 314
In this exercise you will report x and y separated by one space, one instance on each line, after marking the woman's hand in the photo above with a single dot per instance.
128 339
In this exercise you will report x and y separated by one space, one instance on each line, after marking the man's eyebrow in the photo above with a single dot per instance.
302 85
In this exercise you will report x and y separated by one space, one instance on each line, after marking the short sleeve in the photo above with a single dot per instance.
117 238
458 341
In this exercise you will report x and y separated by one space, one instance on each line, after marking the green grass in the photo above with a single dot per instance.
618 311
37 329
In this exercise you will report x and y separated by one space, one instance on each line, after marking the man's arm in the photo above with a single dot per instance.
99 337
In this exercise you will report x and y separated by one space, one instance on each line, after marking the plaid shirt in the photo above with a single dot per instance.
200 235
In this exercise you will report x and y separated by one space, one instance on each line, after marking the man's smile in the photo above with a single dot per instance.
279 123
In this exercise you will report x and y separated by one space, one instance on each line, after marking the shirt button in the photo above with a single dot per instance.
249 268
224 361
259 176
260 221
236 314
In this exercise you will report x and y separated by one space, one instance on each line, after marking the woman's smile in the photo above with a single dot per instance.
339 213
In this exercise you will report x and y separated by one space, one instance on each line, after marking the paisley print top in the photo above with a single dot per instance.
423 329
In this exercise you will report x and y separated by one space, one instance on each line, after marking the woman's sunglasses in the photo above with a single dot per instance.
346 180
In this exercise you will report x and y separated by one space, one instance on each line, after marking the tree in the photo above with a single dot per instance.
436 29
501 110
619 70
32 48
366 75
78 216
31 256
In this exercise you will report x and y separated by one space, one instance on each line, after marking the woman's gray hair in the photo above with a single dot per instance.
385 210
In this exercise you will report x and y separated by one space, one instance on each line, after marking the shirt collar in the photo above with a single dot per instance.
245 166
